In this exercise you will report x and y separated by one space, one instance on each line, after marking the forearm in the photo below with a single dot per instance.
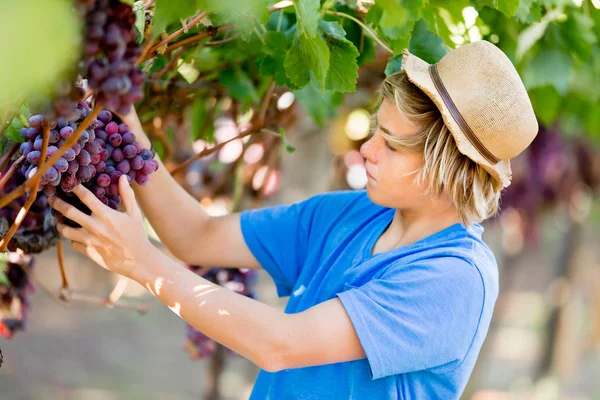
244 325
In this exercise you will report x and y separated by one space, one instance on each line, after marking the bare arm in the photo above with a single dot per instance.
182 224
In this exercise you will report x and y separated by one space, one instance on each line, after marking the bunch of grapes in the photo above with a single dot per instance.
104 152
239 280
15 289
111 53
37 232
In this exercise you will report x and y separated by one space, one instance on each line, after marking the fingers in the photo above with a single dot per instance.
128 198
76 235
72 213
90 200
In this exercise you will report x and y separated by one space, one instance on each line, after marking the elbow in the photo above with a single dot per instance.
274 356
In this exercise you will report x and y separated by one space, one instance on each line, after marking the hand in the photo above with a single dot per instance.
116 241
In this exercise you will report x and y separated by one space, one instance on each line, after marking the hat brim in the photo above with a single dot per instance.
417 71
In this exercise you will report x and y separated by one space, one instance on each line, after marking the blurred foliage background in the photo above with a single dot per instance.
301 77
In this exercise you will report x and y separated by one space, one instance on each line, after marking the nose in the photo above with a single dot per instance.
368 151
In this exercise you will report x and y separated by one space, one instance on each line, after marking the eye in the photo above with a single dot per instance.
389 146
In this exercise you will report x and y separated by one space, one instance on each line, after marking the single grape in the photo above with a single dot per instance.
32 133
101 167
100 134
51 151
129 151
105 116
136 163
51 174
69 155
103 180
115 139
36 121
93 148
99 191
84 173
49 190
117 154
83 158
103 154
73 167
148 167
141 179
95 159
25 148
38 144
123 166
34 157
61 165
114 176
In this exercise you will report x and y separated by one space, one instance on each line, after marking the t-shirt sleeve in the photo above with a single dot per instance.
279 239
417 317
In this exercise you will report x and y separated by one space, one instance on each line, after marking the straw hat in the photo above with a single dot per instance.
483 102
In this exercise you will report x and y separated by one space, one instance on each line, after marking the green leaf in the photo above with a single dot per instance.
307 55
167 12
578 33
12 131
550 66
288 147
507 7
363 43
239 85
40 43
275 50
140 20
529 11
425 44
392 13
320 105
394 65
343 68
307 12
546 103
244 14
199 120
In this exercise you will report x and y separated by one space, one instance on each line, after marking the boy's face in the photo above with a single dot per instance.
390 181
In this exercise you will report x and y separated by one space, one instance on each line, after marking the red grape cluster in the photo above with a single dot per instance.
15 289
111 53
239 280
104 152
37 232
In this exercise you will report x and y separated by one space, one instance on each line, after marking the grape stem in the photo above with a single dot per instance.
7 156
192 23
61 265
32 194
11 171
31 183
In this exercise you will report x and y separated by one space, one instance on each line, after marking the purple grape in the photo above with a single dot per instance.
93 148
32 133
70 178
83 158
51 174
123 166
138 148
114 176
76 148
110 169
105 116
66 132
91 135
36 121
104 200
148 167
73 167
111 128
37 145
66 186
101 167
69 155
34 157
103 180
123 129
85 173
104 154
131 175
98 191
25 148
112 204
115 139
49 190
117 199
136 163
83 138
61 165
113 189
141 179
51 151
100 134
100 142
54 136
117 155
92 170
129 151
147 154
56 181
95 159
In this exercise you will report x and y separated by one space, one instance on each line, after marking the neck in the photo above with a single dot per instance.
409 226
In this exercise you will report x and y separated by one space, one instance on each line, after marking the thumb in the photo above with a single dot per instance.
128 197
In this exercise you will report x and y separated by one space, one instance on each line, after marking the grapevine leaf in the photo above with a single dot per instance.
392 13
307 55
239 85
199 118
507 7
578 33
363 43
425 44
546 103
394 65
529 11
343 68
12 131
321 105
244 14
170 11
288 147
307 12
272 64
550 66
140 20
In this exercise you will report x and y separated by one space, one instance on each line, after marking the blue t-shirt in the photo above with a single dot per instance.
421 312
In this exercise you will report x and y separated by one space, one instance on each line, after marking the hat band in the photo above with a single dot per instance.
437 81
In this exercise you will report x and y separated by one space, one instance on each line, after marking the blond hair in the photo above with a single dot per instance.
446 172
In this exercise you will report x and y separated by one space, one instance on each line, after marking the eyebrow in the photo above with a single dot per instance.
383 128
